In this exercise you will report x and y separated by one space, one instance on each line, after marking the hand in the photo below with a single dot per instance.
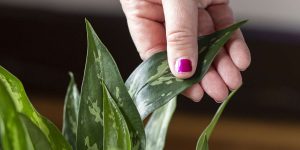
157 25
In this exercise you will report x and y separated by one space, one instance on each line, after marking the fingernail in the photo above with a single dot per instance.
219 102
183 65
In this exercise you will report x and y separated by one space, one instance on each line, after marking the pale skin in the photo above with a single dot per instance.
174 25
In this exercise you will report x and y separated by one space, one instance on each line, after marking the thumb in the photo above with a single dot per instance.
181 18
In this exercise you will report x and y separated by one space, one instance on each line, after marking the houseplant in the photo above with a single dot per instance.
107 113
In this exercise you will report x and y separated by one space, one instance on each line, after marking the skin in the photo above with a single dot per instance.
157 25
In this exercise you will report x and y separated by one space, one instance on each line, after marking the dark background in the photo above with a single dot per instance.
40 47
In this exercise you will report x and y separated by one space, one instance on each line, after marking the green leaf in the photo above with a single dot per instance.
157 126
100 67
90 116
14 135
71 109
22 105
39 140
204 143
116 133
0 138
152 84
203 139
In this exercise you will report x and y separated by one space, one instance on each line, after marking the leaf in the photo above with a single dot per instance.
157 126
116 133
14 135
39 140
0 138
22 104
203 139
71 109
100 66
90 116
204 143
152 84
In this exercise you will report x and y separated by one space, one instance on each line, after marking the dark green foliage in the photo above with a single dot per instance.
104 115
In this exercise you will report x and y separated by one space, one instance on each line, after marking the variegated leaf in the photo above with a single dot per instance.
71 108
157 126
100 67
38 138
152 84
22 104
116 133
14 135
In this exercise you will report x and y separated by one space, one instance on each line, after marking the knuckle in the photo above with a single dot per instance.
180 37
135 8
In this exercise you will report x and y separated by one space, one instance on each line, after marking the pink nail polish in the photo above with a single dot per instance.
183 65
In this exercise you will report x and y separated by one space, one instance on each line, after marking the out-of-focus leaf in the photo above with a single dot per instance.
152 84
0 140
39 140
71 109
100 66
157 126
22 105
204 143
14 135
116 133
203 139
0 135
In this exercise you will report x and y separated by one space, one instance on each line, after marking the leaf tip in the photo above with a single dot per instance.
72 79
86 21
71 75
87 24
242 22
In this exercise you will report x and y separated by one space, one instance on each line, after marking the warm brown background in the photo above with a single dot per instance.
41 46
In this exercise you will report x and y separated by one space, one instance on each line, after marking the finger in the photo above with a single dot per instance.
206 3
236 47
205 23
214 86
181 33
145 21
195 92
227 70
239 51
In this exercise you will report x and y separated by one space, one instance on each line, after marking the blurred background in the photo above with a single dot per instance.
41 40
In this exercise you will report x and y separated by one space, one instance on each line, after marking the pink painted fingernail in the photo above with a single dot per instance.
183 65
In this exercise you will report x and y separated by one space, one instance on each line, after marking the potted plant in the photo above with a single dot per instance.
107 113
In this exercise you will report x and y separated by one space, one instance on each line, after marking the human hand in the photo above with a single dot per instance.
157 25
